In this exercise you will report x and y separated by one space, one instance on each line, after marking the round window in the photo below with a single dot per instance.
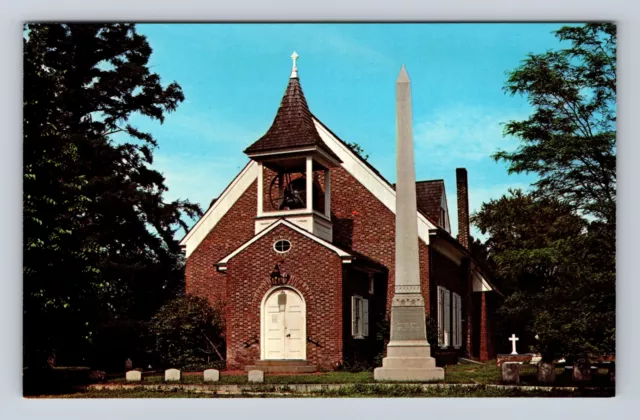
282 245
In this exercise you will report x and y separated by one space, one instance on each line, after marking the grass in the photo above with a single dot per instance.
324 378
462 373
474 374
354 391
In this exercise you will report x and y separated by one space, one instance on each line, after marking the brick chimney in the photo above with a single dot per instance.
463 207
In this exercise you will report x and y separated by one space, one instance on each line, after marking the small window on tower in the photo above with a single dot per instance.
282 246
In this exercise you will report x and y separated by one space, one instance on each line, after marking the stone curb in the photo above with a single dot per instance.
284 389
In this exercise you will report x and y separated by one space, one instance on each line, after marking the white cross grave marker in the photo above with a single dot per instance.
513 340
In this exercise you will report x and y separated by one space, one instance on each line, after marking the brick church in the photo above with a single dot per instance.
298 251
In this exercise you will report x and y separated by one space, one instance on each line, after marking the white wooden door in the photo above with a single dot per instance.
294 340
284 326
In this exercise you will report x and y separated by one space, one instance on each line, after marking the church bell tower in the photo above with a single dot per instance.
294 167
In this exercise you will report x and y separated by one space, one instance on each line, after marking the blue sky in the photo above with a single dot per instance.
234 75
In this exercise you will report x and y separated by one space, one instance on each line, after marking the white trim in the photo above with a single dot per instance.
323 157
222 205
479 284
369 179
281 152
309 184
445 206
290 225
327 193
284 240
260 189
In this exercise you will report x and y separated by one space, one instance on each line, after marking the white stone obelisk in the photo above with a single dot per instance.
408 352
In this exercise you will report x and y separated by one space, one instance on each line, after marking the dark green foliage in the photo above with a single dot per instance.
553 249
188 334
570 139
98 236
358 150
557 271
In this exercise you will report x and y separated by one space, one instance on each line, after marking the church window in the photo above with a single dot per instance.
282 246
359 317
444 317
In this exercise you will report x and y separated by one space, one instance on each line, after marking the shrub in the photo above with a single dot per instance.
188 333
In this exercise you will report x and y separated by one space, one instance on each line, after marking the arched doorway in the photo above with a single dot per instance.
283 325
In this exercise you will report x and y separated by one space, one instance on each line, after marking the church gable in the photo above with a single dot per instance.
278 226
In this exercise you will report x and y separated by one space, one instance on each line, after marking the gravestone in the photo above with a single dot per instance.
97 376
256 376
211 375
581 371
128 365
546 373
511 373
172 375
134 376
513 340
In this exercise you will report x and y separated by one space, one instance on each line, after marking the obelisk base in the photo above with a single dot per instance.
408 361
408 352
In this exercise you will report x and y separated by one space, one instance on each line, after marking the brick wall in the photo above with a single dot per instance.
360 223
486 345
463 207
235 228
316 272
363 224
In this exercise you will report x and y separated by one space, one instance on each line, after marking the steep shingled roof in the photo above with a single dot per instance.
429 199
293 125
429 196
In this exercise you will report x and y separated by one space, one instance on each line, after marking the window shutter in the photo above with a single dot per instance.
459 321
454 323
365 317
440 315
447 317
354 327
457 325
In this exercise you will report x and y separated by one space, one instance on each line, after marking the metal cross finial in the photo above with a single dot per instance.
294 70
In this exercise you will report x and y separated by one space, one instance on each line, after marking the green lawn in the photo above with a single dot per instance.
462 373
354 391
324 378
487 373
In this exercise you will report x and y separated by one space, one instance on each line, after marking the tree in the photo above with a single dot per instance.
553 249
98 235
570 139
188 333
556 271
357 149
